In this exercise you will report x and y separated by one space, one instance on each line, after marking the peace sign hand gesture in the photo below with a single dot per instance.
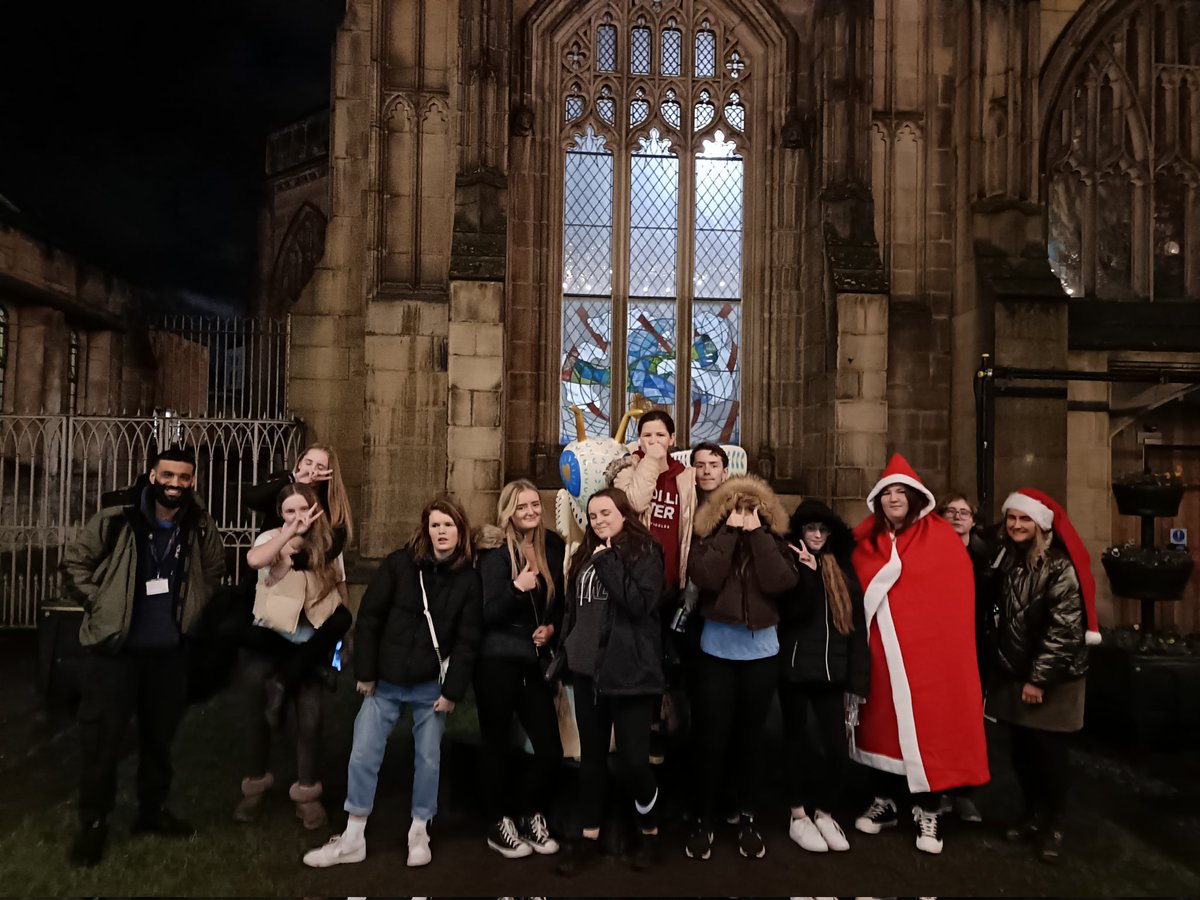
803 556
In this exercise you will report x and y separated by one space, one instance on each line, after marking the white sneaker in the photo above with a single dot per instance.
835 838
419 853
335 852
805 833
930 838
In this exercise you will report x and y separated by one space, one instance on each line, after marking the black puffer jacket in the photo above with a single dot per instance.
630 649
391 638
810 648
1041 638
510 616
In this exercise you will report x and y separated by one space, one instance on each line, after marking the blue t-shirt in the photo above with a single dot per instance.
738 642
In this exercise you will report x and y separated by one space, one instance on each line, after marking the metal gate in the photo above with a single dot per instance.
54 471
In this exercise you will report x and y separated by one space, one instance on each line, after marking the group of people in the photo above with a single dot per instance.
690 587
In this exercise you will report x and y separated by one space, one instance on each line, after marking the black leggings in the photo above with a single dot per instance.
598 716
815 777
1040 761
504 688
304 706
735 697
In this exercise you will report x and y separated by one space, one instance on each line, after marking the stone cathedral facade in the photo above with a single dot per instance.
795 224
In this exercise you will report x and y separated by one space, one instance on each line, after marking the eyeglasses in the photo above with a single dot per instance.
817 529
952 513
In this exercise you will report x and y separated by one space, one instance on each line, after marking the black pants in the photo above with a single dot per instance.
598 717
295 667
891 786
735 697
305 719
815 777
504 688
1040 761
115 689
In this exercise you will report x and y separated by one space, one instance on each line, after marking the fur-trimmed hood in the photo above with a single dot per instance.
739 491
488 537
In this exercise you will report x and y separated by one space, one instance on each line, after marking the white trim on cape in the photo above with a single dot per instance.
875 600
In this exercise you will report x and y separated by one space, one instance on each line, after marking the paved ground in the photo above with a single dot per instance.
1133 829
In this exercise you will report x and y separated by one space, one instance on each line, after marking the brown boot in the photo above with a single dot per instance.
309 809
253 793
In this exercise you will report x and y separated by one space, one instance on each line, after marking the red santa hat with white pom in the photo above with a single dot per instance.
1048 515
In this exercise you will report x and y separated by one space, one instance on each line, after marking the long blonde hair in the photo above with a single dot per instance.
1039 544
506 508
339 513
317 540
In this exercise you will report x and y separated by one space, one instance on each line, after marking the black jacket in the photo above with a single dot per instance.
510 615
630 656
391 638
810 648
1041 637
263 499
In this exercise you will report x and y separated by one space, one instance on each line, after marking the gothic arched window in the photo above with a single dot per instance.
1123 159
654 137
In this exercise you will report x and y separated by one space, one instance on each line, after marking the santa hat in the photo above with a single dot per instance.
1047 514
898 471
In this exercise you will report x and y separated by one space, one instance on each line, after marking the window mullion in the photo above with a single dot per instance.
618 360
684 295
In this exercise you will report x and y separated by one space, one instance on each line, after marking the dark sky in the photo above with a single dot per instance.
132 133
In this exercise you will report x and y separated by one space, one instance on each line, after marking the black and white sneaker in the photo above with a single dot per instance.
503 838
881 814
699 842
930 838
750 842
534 832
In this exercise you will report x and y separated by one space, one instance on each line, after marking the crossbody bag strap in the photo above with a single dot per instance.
429 618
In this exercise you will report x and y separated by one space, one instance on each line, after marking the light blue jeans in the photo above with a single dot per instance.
373 726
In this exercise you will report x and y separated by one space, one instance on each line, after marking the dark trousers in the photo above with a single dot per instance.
598 717
1040 761
895 787
815 776
504 688
115 689
735 697
295 667
305 718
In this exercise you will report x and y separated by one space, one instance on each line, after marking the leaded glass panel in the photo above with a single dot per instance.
672 51
606 107
651 353
574 107
706 54
653 218
606 48
670 109
703 113
586 372
717 254
735 113
588 218
639 51
716 371
639 108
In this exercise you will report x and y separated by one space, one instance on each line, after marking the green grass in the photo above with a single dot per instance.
225 859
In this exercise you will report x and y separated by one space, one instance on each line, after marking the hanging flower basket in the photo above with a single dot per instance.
1141 574
1148 495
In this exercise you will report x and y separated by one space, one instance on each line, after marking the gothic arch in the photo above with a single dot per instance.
560 89
299 252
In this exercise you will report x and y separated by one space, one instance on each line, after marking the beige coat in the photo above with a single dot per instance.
637 477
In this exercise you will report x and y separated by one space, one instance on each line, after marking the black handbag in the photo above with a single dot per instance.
554 666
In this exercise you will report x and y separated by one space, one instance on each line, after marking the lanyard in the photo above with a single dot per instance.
172 547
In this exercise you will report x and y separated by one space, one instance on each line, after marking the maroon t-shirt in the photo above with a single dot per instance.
664 518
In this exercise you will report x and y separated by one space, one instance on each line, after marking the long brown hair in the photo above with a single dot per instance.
506 508
337 503
632 531
836 593
421 547
317 540
916 503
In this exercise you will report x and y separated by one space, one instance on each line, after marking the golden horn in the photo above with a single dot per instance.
580 434
620 435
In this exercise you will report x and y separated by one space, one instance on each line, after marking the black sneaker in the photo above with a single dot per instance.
503 838
929 837
534 831
648 853
699 842
1050 845
163 823
881 814
578 856
88 847
750 842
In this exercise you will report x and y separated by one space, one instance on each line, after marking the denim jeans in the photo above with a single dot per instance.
376 718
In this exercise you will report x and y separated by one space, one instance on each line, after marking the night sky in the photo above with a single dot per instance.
132 133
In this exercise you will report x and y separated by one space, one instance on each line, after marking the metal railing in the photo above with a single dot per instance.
55 471
228 367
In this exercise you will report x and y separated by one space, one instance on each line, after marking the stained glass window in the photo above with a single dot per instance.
675 283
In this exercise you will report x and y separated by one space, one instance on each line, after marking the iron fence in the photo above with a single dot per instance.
239 372
55 471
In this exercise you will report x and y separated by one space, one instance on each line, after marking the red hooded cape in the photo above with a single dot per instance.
924 716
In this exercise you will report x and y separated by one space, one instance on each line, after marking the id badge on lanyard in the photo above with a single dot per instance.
160 585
